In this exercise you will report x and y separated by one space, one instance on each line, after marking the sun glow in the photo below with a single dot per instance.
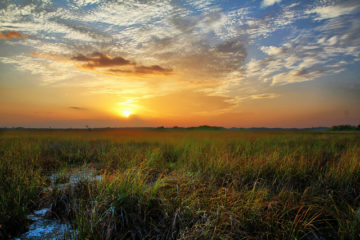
126 109
126 113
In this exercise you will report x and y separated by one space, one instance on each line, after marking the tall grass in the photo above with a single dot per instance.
20 183
177 184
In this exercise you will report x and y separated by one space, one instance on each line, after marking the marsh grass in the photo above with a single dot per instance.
177 184
20 184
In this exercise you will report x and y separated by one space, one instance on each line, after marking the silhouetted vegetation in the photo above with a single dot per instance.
345 128
206 127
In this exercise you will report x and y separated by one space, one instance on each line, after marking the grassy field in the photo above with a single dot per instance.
185 184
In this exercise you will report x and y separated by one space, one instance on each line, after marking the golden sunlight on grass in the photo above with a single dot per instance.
180 184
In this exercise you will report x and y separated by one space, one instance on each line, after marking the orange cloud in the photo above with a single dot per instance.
11 35
101 60
118 65
51 56
152 69
78 108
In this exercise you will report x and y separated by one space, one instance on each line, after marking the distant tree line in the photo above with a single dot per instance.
203 127
345 128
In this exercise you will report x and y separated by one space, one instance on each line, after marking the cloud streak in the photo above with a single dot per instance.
78 108
333 11
12 35
101 60
267 3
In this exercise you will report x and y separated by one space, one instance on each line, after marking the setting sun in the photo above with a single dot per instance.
126 113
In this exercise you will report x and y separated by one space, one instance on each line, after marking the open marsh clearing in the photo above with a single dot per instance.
179 184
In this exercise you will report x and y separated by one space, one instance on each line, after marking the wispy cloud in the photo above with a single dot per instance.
101 60
78 108
272 50
11 35
152 69
260 96
264 96
333 11
267 3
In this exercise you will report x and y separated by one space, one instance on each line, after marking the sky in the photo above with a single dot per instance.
256 63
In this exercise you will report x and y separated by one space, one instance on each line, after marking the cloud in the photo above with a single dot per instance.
48 69
272 50
264 96
11 35
78 108
249 97
307 54
152 69
271 22
82 3
180 37
326 12
199 61
196 102
295 76
101 60
333 40
82 29
267 3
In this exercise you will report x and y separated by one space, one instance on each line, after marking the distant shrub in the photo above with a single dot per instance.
345 128
206 127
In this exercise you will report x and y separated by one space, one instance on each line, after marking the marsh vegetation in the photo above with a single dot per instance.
180 184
